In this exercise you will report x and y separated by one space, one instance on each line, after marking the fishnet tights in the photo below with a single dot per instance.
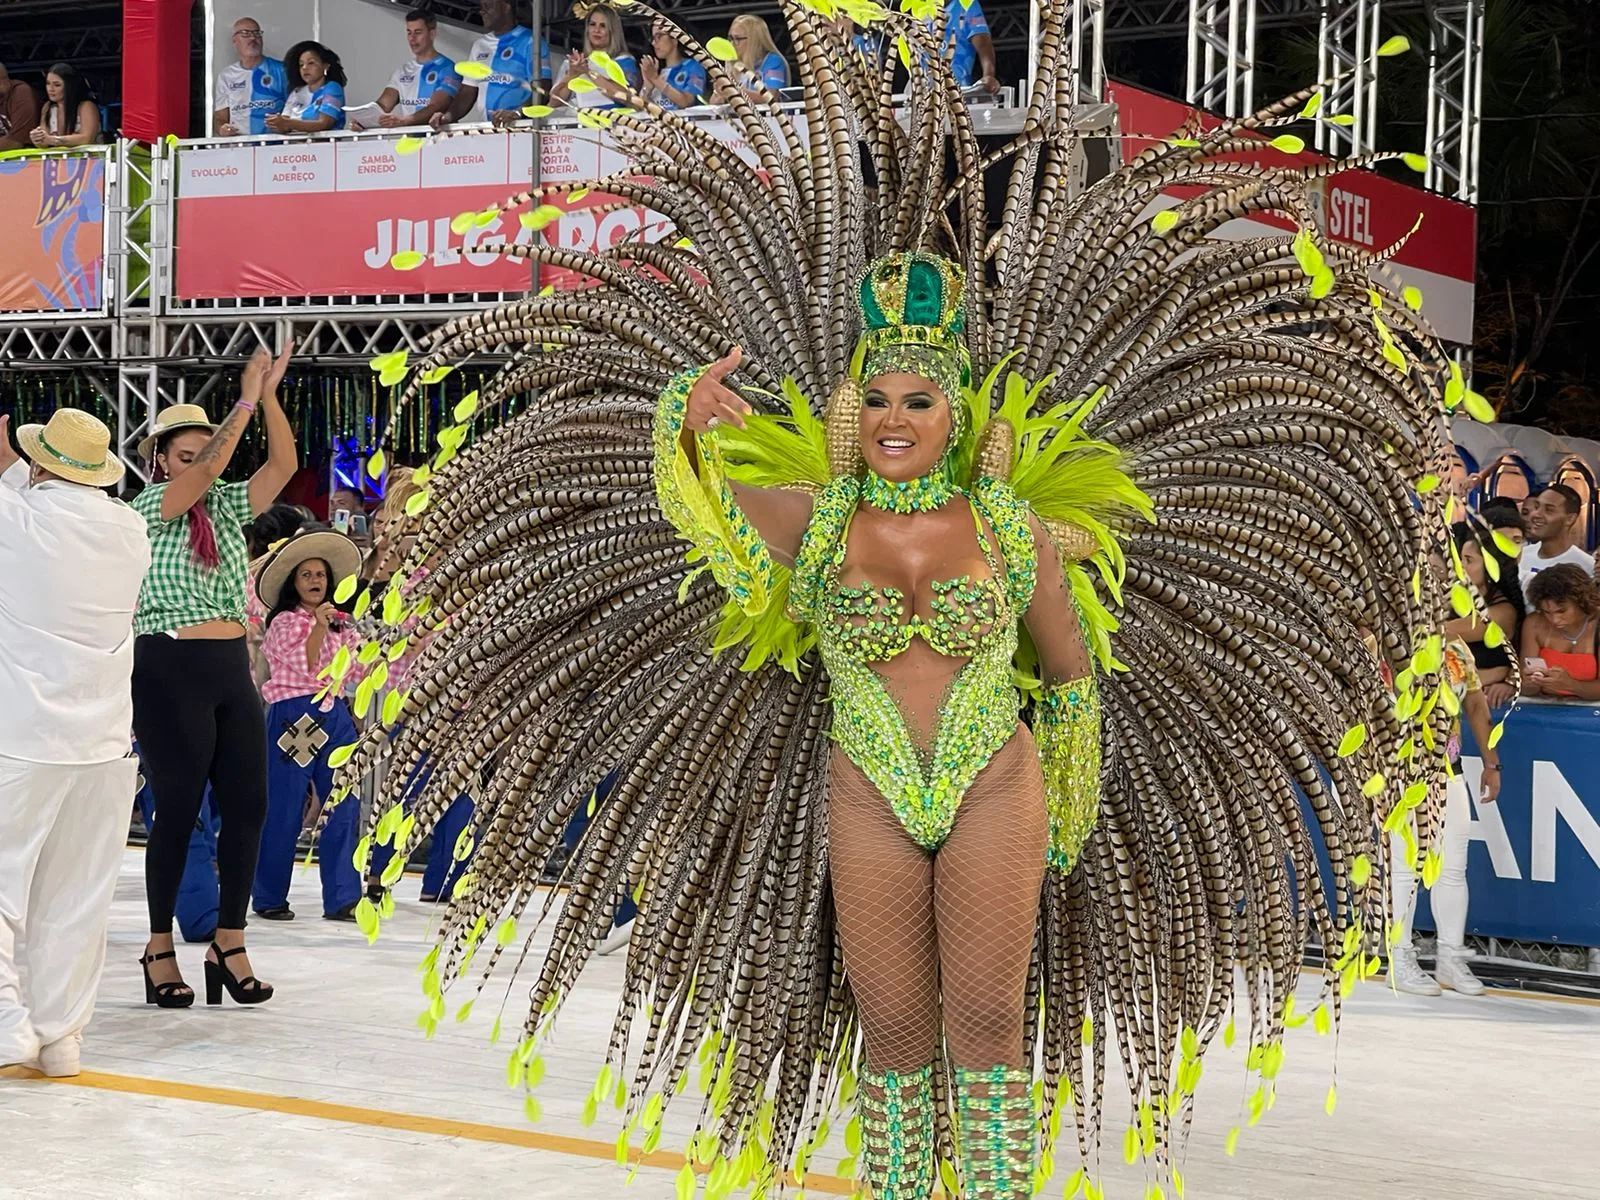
953 928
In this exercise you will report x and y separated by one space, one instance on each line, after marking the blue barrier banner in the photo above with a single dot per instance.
1534 864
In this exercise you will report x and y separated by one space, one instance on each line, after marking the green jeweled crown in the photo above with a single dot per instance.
915 300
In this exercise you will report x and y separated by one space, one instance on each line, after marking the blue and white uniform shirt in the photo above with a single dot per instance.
961 26
687 76
417 83
251 94
509 57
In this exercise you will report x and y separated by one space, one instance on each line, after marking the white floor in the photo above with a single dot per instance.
1461 1098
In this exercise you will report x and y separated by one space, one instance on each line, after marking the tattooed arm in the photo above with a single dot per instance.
282 462
184 492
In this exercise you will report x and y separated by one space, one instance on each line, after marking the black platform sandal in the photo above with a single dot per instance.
173 993
248 990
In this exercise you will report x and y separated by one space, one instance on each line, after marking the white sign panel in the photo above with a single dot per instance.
368 166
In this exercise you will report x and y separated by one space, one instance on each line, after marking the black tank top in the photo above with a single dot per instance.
1489 657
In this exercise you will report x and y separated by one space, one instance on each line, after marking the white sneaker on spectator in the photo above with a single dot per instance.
1452 972
59 1059
1407 976
617 938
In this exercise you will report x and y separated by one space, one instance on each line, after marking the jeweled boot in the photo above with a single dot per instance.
897 1114
997 1140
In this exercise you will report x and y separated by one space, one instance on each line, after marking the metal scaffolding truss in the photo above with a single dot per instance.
326 340
1455 96
88 35
1221 70
1347 60
58 345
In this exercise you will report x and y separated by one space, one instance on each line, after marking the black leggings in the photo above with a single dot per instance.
198 718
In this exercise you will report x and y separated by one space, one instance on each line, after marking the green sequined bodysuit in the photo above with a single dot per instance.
972 619
962 712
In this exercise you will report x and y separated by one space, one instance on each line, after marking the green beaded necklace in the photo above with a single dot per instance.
923 494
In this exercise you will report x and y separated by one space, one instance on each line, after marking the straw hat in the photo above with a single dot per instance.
341 554
170 420
74 446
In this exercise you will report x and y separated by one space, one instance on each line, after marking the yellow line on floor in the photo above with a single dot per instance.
381 1118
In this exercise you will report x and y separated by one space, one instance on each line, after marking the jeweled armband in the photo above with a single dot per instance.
1066 728
701 506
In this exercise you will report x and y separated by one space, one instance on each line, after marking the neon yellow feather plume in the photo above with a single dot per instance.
789 449
1066 476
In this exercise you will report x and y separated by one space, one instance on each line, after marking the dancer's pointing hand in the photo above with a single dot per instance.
711 402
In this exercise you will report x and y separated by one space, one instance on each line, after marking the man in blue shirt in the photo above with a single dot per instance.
425 85
967 42
250 90
507 50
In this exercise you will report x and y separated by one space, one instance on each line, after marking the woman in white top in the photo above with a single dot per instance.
602 32
69 117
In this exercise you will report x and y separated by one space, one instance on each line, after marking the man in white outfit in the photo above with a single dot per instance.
71 562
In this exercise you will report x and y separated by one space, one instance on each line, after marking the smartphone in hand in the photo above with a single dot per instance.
1535 666
341 521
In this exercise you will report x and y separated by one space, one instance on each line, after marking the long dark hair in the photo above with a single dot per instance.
291 64
1508 588
74 91
289 597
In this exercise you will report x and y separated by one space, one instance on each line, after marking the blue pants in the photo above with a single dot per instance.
197 894
300 739
442 870
626 909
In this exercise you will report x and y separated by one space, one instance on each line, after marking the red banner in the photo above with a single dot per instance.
52 241
1357 207
295 219
326 218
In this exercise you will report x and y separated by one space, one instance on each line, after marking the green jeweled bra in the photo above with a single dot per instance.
922 494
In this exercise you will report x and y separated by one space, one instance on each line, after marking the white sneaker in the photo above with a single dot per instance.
59 1059
1407 976
616 939
1452 972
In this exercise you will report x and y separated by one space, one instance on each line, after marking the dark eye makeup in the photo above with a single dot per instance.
917 401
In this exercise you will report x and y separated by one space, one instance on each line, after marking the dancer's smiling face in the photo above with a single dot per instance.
905 426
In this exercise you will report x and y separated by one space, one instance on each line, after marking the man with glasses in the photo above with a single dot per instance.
250 90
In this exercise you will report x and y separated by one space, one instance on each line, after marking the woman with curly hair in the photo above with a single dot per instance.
1502 595
316 91
1558 638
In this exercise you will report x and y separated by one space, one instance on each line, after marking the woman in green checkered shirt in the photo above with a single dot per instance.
196 712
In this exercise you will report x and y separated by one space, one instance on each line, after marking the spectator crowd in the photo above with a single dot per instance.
67 116
304 92
175 652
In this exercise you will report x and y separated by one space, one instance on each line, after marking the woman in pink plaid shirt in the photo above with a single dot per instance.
306 722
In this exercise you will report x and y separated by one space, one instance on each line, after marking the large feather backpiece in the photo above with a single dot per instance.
1280 411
